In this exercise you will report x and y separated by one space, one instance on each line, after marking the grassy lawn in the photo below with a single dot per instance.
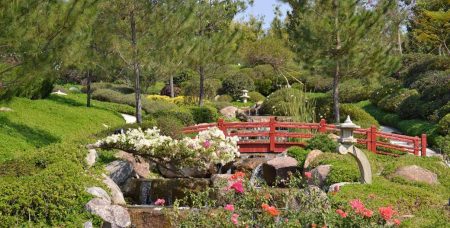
38 123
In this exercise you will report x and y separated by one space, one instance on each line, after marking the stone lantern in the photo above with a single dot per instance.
347 129
245 96
346 147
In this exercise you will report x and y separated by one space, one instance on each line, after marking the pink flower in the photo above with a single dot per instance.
367 213
160 202
229 207
341 213
207 144
397 222
237 186
308 175
386 212
234 219
336 188
357 205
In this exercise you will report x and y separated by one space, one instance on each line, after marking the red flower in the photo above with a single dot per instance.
160 202
357 205
341 213
264 206
237 186
367 213
206 144
270 209
229 207
386 212
234 219
237 176
308 175
337 188
397 222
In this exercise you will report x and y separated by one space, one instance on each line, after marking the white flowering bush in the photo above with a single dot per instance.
208 147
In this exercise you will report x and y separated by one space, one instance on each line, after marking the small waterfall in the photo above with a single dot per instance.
144 196
256 174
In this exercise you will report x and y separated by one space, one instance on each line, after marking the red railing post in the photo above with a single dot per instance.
272 134
373 139
369 139
424 145
416 146
323 126
221 126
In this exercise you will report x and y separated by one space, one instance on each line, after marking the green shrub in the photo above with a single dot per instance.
234 85
343 168
121 88
444 110
107 95
299 153
317 83
265 86
276 103
205 114
444 125
443 144
390 86
182 114
154 106
392 102
220 105
355 90
358 115
324 108
414 65
321 142
256 97
170 126
192 88
409 108
225 98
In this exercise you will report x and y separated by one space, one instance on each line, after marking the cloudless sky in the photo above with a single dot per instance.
264 8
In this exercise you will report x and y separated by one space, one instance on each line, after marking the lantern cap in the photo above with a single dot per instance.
348 124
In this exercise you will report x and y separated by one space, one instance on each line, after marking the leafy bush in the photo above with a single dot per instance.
170 126
390 86
317 83
444 125
121 88
443 144
392 102
205 114
354 90
176 100
416 64
182 114
151 107
225 98
234 85
220 105
410 107
299 153
256 97
343 168
358 115
324 108
321 142
265 86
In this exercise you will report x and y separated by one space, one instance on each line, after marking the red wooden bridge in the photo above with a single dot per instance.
275 136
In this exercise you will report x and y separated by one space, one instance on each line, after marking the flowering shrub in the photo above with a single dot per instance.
208 147
175 100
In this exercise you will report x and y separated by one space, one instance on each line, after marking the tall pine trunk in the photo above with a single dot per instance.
88 85
172 92
137 86
399 41
201 72
337 69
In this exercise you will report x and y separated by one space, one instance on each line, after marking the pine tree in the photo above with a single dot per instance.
341 38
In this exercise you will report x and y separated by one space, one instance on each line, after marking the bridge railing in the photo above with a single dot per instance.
276 136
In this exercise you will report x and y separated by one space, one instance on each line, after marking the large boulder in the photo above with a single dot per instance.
140 166
99 193
319 175
91 157
115 215
310 157
194 172
279 168
416 173
120 171
249 164
229 112
116 193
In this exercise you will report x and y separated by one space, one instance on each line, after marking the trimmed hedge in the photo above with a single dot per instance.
321 142
277 101
299 154
355 90
234 85
392 102
358 115
444 125
225 98
182 114
256 97
205 114
170 126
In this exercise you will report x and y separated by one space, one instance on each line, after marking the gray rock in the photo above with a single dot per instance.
416 173
249 164
116 193
279 168
319 175
99 193
310 157
337 186
116 215
184 172
88 224
120 171
5 109
229 112
140 166
91 157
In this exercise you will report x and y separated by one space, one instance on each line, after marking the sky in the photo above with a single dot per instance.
264 8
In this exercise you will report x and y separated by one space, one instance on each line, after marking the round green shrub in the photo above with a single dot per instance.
205 114
321 142
358 115
220 105
392 102
299 153
443 144
170 126
154 106
390 86
444 125
182 114
225 98
234 85
256 97
274 103
265 86
355 90
343 168
106 95
409 108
